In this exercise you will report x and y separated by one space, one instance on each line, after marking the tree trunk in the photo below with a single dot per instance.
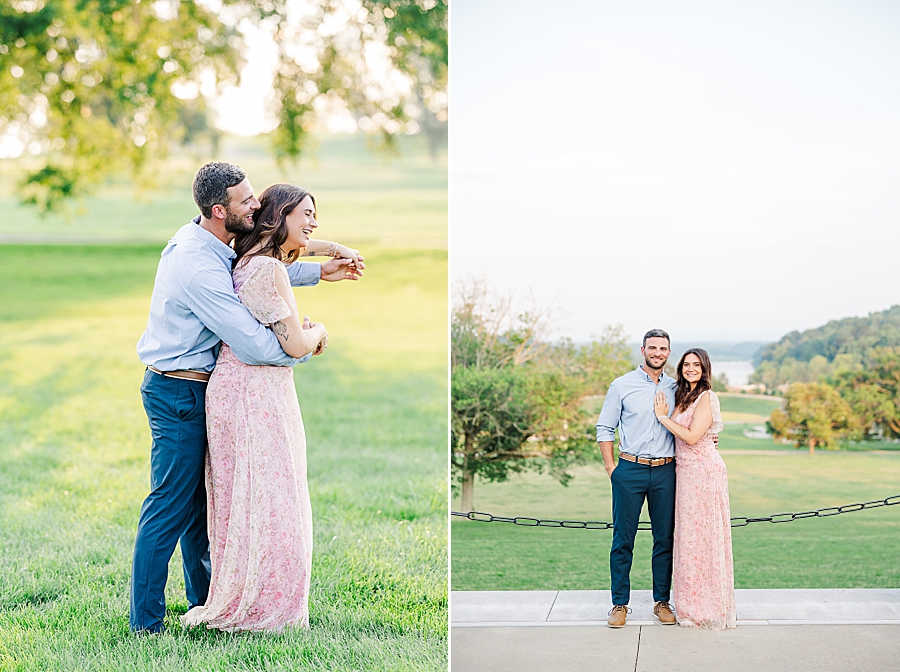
468 478
812 446
468 491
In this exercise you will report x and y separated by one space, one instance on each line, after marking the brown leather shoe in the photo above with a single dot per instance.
663 611
617 616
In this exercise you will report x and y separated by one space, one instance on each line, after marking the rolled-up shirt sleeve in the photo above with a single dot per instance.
304 273
609 415
219 309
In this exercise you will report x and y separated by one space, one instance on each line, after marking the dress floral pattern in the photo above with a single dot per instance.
260 520
702 572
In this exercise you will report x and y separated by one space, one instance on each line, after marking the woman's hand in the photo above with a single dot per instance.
699 423
354 256
660 406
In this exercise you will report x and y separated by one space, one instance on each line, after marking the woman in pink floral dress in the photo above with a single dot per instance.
259 517
702 571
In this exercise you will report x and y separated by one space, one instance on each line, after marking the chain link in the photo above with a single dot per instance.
737 521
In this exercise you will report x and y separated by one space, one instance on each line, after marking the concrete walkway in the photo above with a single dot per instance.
816 630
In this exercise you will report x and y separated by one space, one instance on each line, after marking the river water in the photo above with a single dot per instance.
738 373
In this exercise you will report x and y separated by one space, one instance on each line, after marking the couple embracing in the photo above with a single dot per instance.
228 457
668 454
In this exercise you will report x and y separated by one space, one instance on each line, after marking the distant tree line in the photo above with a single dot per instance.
815 354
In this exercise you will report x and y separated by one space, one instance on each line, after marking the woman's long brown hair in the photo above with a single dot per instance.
684 395
270 224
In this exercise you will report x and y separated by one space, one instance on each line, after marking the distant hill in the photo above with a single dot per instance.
852 335
719 351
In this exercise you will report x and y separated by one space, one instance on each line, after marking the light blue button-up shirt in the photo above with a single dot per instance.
194 308
629 406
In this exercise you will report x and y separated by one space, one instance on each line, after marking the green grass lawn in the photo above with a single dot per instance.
74 461
854 550
738 403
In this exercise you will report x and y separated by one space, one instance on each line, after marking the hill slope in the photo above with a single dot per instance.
851 335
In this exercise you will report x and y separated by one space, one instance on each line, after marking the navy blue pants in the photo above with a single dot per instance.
631 483
176 506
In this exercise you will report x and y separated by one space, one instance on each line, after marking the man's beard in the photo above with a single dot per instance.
654 367
236 224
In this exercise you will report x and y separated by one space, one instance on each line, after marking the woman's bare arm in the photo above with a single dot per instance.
295 340
326 248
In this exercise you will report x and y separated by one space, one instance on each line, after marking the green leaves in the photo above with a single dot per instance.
858 400
95 97
384 64
873 391
517 399
491 420
101 88
48 186
814 414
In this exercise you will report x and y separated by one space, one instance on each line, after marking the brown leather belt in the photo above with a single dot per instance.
655 462
185 374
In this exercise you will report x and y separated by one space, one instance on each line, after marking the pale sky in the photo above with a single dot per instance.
243 109
722 170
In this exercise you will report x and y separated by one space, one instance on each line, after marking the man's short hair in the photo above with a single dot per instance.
211 185
656 333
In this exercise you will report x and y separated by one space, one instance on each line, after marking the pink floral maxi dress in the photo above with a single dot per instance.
260 520
702 572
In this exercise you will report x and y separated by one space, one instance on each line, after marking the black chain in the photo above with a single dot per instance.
737 521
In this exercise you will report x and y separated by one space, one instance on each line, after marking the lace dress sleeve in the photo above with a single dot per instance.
717 424
259 295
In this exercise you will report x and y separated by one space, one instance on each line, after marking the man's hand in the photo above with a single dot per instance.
320 347
336 269
606 450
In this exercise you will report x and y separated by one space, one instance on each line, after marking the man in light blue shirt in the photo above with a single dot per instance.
646 469
193 310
